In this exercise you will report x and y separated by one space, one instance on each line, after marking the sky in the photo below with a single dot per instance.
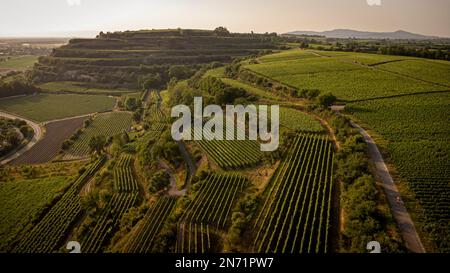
20 18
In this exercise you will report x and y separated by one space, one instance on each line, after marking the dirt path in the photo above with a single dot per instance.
38 133
401 215
192 168
173 189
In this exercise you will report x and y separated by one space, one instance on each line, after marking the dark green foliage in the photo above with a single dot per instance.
17 87
159 181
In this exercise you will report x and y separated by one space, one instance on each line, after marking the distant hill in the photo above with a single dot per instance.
348 33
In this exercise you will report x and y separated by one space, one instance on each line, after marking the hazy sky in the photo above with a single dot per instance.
73 17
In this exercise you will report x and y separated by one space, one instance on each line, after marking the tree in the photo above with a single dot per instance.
97 143
131 104
221 31
159 181
327 99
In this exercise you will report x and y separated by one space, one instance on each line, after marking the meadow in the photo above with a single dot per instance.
46 107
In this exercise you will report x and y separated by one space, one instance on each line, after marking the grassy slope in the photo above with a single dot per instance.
44 107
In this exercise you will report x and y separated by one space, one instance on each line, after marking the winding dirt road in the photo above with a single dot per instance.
401 215
36 137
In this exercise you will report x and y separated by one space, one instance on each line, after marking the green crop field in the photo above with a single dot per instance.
427 70
288 55
295 215
417 129
19 62
22 201
45 107
232 154
77 87
46 235
341 74
108 124
295 67
150 226
299 121
210 210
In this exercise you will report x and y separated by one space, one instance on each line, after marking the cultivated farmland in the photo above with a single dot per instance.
50 231
47 148
417 129
46 107
108 124
209 211
343 75
295 216
22 203
149 227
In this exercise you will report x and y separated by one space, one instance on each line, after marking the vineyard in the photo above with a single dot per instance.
50 231
232 154
119 204
343 75
126 193
209 210
47 148
150 226
124 180
46 107
295 216
417 130
107 125
299 121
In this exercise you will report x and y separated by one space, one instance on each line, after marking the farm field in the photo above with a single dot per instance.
22 202
298 121
119 204
46 107
46 235
49 146
343 77
19 62
124 180
79 87
208 212
416 129
295 216
150 225
232 154
108 124
428 70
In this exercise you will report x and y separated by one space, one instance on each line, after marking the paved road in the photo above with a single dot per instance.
401 215
37 136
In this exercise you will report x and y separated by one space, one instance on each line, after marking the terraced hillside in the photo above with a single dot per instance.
123 57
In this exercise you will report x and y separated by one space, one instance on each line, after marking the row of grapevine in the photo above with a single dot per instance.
48 233
208 212
150 226
107 125
119 204
296 213
232 154
124 180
